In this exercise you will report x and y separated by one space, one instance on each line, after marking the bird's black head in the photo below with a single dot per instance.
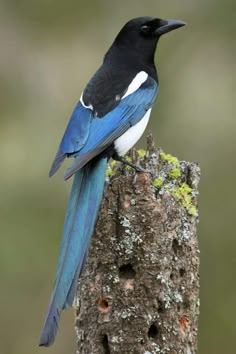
140 35
147 28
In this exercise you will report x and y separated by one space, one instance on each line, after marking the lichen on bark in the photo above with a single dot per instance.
139 290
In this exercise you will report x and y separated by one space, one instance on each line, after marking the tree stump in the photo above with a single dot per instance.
139 290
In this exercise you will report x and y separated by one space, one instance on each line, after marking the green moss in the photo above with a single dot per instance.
128 158
158 182
169 158
192 210
141 153
174 172
109 172
113 164
183 194
111 168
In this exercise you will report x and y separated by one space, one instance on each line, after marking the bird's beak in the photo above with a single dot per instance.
168 25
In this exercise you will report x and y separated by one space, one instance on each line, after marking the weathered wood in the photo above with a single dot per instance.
139 290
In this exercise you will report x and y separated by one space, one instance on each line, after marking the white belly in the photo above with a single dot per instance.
126 141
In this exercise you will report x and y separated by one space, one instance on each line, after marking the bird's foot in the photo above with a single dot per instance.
138 169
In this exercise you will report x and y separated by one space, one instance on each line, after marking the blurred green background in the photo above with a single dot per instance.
49 49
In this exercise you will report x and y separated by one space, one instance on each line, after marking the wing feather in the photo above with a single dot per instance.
103 132
87 136
75 135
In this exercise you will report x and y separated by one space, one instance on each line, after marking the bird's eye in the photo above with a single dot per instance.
145 29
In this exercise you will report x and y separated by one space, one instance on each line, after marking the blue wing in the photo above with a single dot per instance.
75 135
100 133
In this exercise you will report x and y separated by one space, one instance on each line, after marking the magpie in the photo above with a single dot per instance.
110 117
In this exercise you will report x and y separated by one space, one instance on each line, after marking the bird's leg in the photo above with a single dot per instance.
125 162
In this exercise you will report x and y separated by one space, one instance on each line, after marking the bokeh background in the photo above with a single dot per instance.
49 49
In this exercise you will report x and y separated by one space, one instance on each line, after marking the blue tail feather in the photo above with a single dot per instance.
84 202
72 291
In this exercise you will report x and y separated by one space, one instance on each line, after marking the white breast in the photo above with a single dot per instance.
131 136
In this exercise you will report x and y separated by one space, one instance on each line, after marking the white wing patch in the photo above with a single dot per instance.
126 141
139 79
83 104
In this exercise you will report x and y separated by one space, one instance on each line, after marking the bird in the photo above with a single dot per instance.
110 117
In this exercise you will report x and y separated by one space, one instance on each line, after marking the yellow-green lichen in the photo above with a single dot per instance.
141 153
183 193
158 182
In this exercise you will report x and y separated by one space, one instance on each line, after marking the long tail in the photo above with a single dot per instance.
84 202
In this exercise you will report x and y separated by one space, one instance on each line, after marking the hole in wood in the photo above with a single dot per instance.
177 248
105 344
142 342
184 322
127 272
182 272
103 305
153 331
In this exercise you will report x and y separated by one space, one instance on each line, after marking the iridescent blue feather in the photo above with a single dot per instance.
83 206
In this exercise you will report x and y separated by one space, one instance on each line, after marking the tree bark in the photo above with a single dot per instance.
139 290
